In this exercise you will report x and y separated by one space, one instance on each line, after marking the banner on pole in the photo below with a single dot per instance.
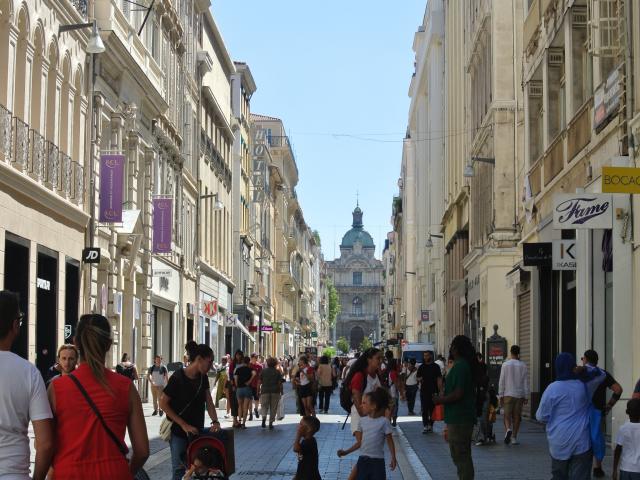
162 224
111 180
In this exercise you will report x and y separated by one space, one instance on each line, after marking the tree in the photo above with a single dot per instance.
316 237
329 352
365 344
343 345
334 304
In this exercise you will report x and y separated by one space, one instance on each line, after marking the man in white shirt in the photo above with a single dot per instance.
23 398
513 391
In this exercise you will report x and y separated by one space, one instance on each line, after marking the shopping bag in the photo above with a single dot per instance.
438 413
280 409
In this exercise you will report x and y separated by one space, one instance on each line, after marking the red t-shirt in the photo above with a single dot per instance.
256 367
357 382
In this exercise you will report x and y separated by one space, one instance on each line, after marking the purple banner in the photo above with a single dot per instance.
111 176
162 224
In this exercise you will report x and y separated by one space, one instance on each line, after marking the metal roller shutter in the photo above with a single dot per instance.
524 335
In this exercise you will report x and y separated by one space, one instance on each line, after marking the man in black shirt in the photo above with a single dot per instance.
599 399
430 378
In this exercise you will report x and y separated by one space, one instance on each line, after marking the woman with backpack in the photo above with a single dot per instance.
126 368
93 407
362 378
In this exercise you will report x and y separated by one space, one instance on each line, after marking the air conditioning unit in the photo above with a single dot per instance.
555 57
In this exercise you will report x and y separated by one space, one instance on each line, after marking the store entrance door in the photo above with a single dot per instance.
16 279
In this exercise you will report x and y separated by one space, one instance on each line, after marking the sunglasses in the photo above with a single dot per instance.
20 319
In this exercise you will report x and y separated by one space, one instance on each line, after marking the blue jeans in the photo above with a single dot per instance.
371 469
178 447
578 467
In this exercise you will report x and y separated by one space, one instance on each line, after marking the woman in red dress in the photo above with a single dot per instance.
84 449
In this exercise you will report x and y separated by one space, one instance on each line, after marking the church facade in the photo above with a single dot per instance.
357 276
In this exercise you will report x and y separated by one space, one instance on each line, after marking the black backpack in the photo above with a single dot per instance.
346 397
125 371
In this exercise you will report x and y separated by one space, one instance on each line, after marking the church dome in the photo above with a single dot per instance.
357 233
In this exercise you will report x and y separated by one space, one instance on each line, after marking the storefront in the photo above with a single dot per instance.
166 330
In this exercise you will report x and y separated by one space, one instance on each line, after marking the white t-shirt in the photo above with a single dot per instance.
374 431
305 373
23 398
629 439
412 377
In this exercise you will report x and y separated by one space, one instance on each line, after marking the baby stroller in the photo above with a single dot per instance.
487 418
217 449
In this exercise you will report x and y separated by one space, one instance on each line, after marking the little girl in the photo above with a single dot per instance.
372 432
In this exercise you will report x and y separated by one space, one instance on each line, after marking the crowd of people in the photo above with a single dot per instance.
81 409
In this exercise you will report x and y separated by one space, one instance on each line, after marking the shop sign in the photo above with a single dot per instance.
537 254
564 255
43 284
314 334
606 100
162 224
620 180
91 255
582 211
67 331
424 315
111 181
253 328
210 308
266 328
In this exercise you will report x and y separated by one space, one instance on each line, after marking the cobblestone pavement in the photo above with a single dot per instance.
529 461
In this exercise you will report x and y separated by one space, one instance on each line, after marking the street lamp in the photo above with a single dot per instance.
94 47
468 170
217 205
429 243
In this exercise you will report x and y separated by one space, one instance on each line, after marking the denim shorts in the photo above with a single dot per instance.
244 392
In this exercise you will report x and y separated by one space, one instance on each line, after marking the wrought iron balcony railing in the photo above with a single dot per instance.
28 151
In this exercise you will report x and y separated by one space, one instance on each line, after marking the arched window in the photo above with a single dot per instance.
5 16
356 306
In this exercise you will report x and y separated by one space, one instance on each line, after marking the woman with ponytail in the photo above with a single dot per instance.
93 407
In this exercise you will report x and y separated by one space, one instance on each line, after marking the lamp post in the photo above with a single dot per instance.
468 170
94 47
429 243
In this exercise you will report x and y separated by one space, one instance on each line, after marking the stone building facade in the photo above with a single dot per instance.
357 276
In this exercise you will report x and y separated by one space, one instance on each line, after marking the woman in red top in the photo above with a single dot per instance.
84 449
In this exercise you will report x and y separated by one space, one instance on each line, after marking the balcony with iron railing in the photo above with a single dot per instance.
30 153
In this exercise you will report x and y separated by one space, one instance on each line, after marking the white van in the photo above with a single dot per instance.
416 350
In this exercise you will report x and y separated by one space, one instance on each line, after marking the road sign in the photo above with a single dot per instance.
91 255
564 255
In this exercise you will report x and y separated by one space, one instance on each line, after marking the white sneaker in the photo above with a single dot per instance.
514 441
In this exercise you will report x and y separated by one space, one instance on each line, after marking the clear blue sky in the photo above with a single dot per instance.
325 68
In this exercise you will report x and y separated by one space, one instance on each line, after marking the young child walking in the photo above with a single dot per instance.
373 431
306 447
626 456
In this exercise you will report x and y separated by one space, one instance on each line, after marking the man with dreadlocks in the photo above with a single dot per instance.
459 404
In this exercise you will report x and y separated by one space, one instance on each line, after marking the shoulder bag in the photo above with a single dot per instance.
140 474
165 426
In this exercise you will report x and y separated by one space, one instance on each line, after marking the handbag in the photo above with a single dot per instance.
165 426
140 474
